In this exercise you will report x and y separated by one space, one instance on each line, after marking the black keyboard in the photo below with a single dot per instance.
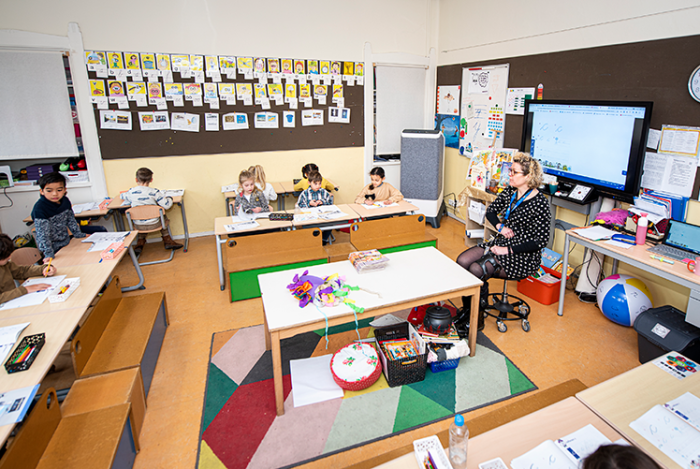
281 216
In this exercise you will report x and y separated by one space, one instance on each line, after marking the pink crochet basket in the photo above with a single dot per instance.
356 366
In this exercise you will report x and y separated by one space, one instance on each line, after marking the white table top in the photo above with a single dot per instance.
410 275
265 225
348 214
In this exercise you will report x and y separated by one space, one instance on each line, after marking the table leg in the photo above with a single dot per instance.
280 203
473 321
267 336
228 208
277 372
135 261
184 224
220 260
564 268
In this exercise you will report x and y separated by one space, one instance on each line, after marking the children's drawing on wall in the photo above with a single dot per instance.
245 64
313 67
163 62
212 62
335 68
155 91
325 67
305 91
132 60
115 60
148 61
273 65
196 63
288 118
95 60
479 81
348 68
210 92
116 89
299 67
259 65
180 63
448 100
337 92
227 62
134 89
172 90
449 126
287 66
290 91
359 69
192 90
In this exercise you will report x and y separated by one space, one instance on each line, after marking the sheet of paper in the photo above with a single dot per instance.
211 122
676 365
583 442
312 381
669 173
241 225
80 208
101 241
545 455
653 139
448 99
595 233
669 433
686 407
35 298
515 100
229 188
680 140
8 337
377 205
14 404
175 192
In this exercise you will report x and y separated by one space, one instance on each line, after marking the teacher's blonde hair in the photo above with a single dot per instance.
531 167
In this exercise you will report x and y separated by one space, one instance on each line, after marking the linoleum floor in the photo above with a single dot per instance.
581 344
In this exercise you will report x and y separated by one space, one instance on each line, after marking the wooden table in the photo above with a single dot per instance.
625 398
412 278
221 236
349 214
639 257
58 327
76 253
520 436
402 207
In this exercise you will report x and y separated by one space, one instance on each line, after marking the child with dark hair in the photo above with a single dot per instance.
378 190
315 196
143 194
619 457
53 216
303 183
9 272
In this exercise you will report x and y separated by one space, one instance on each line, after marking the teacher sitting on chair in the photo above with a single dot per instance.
521 215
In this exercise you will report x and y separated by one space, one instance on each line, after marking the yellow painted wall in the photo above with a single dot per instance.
203 175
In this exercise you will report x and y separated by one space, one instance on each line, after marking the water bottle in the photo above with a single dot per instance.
642 224
459 437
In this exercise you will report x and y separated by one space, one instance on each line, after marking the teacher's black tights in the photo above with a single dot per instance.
468 260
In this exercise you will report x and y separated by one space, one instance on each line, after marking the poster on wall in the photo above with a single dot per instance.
482 114
449 126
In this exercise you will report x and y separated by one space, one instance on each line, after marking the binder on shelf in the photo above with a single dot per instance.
679 204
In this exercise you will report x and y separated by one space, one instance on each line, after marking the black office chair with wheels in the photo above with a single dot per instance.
500 305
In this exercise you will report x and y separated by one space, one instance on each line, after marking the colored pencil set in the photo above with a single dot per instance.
25 353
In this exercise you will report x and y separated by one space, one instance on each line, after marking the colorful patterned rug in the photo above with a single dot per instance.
240 428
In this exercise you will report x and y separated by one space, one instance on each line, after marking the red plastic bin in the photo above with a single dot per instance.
545 293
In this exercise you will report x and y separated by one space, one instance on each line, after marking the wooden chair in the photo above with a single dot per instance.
26 256
147 212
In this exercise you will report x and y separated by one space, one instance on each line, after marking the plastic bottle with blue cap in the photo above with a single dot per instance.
459 438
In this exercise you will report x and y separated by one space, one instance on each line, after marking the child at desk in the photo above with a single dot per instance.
53 216
315 196
378 190
143 194
9 272
260 182
249 198
303 183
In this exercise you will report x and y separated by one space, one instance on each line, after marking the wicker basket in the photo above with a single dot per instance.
405 370
357 351
437 367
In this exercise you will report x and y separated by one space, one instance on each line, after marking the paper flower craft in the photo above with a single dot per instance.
329 291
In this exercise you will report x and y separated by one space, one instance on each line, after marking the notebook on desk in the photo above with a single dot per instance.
681 241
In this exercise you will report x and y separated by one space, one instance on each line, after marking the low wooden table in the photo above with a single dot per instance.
412 278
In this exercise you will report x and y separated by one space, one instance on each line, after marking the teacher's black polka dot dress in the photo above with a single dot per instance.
530 222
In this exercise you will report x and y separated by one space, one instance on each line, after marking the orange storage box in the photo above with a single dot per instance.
545 293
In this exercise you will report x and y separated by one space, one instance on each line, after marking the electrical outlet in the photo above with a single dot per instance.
452 203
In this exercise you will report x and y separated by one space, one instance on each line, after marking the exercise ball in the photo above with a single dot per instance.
622 298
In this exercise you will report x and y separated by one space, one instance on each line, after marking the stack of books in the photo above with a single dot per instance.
450 338
398 349
365 261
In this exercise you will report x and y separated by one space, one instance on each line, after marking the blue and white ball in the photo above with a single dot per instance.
622 298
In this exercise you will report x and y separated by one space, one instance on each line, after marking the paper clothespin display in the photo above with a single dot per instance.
112 251
64 290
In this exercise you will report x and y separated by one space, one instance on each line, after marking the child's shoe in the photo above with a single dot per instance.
140 243
170 243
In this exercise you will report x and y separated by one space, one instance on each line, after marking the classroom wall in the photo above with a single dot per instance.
272 28
543 26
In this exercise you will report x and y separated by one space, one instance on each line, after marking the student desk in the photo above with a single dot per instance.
402 207
282 189
520 436
58 327
412 278
76 253
221 236
106 213
625 398
177 200
323 225
639 257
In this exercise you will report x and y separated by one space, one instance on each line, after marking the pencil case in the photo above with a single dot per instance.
29 346
112 251
64 290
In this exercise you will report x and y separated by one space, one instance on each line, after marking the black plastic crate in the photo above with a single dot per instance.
405 370
664 329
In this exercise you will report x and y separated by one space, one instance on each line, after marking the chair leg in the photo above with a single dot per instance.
162 261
